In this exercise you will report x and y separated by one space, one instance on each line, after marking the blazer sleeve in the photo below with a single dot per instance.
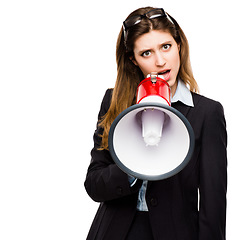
213 175
104 180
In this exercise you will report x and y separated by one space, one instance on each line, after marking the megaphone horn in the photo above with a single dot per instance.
151 140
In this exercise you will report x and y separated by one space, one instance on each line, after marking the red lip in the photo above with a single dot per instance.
164 70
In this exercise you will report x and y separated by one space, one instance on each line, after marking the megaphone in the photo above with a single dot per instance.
151 140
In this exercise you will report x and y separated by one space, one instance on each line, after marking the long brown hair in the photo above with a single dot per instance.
129 75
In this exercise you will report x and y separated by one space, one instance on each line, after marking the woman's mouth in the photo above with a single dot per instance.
165 75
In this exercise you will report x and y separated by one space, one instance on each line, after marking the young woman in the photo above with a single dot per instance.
152 41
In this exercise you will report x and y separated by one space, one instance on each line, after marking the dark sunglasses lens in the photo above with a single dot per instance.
155 13
132 21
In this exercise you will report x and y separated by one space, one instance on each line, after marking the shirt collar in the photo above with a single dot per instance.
182 94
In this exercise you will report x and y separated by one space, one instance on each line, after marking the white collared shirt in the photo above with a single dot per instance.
183 95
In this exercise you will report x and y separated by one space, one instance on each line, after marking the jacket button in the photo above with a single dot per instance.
119 191
154 202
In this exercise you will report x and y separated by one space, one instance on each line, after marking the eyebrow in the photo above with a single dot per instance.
148 49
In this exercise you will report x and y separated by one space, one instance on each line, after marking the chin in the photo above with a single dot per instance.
172 82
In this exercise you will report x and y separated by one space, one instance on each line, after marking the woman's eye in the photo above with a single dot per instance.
166 46
146 53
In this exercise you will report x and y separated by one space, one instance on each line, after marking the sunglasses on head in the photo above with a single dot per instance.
132 21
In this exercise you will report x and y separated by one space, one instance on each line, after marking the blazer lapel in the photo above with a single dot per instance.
182 108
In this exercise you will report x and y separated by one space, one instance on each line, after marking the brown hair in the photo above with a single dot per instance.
129 75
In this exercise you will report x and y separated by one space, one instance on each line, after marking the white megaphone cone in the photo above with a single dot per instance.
151 140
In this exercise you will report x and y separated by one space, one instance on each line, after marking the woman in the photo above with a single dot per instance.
152 41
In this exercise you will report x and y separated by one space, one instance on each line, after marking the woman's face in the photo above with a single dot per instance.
157 51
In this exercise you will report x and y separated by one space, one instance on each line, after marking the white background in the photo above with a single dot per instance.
57 58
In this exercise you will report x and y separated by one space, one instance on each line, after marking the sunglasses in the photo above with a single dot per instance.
134 20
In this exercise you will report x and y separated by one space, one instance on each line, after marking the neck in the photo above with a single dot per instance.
174 88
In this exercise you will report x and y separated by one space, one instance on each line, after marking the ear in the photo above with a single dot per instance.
133 60
179 47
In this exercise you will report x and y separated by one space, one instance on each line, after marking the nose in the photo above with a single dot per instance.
160 60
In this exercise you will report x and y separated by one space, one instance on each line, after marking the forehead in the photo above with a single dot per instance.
152 39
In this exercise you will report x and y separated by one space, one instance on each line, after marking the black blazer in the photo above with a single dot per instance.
173 203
